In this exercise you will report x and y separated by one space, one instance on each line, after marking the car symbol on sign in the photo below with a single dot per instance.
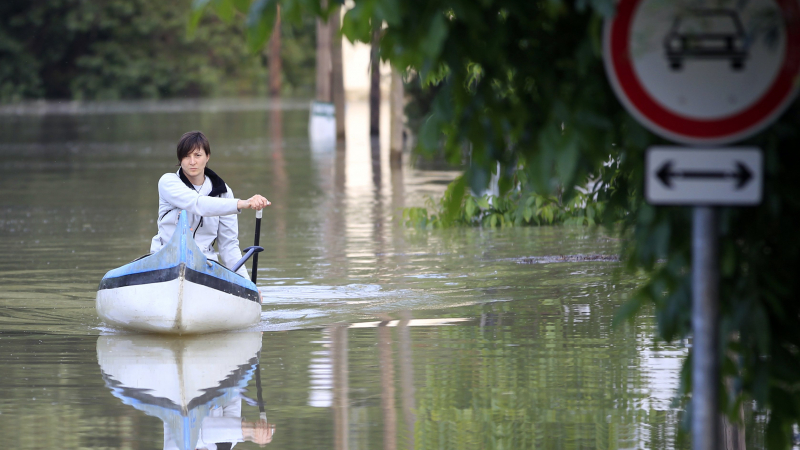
706 34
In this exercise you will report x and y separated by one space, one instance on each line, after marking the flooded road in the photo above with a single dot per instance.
372 335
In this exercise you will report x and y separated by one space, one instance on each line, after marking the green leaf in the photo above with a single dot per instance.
434 38
224 9
567 158
241 5
197 11
388 11
260 22
470 207
430 134
453 200
357 22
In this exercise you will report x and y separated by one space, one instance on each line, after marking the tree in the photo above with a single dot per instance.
521 83
274 57
375 83
129 49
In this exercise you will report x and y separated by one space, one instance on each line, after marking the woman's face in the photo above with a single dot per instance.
194 163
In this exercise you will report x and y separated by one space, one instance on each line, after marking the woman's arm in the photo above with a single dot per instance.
228 240
173 191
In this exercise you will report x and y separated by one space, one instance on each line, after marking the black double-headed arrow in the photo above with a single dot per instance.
742 174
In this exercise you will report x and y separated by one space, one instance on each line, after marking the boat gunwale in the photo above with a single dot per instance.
174 272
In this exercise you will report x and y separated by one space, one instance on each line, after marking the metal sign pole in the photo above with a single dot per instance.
705 328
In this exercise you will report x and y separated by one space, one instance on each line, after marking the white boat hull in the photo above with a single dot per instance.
175 307
177 291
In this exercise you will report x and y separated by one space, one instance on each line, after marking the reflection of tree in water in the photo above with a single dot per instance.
550 379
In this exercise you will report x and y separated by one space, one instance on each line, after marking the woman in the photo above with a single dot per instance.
208 201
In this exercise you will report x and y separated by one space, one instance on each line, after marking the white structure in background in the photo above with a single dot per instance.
320 393
356 76
322 127
355 59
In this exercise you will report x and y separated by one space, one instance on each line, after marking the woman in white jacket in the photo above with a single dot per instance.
208 201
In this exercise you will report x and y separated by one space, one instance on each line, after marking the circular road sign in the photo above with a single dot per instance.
704 72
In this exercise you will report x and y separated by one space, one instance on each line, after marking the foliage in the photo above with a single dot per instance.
523 81
516 207
114 49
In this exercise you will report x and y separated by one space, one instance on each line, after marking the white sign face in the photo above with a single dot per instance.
686 176
705 71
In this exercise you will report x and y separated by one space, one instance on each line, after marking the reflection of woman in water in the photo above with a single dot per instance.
223 428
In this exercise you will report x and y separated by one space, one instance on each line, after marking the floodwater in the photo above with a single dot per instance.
373 335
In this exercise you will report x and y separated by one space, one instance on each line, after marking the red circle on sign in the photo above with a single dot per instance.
686 129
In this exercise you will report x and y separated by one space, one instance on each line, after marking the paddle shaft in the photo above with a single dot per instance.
257 238
262 413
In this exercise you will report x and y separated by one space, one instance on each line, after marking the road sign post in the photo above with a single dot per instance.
704 73
705 328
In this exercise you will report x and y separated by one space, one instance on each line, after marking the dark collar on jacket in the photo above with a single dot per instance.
217 185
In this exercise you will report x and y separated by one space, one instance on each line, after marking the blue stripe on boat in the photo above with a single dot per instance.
165 265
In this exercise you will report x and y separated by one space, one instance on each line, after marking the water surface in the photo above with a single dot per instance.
372 335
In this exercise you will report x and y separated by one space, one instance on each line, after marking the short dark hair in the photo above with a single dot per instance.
190 141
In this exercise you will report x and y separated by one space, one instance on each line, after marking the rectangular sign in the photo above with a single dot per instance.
708 176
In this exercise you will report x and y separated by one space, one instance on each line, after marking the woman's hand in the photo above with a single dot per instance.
259 432
255 202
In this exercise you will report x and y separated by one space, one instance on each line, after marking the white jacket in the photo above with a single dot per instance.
211 218
221 425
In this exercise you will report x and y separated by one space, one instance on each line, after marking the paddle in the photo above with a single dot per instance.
255 244
262 413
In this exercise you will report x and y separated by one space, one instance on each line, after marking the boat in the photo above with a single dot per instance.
194 384
177 290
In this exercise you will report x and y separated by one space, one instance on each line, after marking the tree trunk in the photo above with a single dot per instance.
386 363
337 72
275 58
407 378
323 61
341 387
731 435
375 83
397 120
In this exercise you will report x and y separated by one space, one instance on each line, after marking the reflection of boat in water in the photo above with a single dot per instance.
193 384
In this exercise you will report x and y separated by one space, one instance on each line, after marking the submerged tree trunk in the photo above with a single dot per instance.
375 84
731 435
275 66
397 118
337 70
